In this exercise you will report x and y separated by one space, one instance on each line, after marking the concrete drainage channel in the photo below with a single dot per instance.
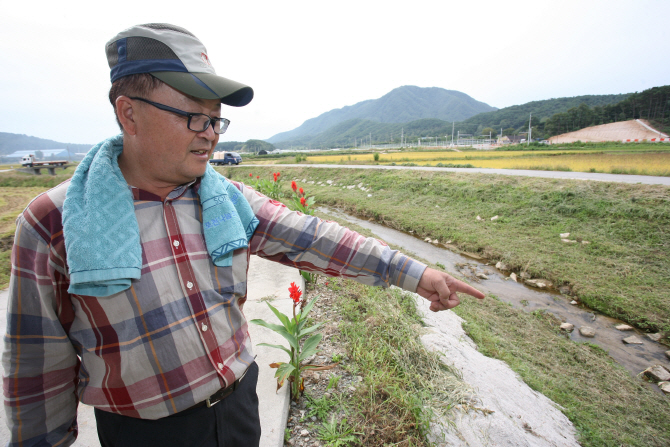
634 357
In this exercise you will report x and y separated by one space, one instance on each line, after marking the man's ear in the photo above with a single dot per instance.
126 114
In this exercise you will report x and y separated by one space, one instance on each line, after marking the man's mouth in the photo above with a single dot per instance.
202 152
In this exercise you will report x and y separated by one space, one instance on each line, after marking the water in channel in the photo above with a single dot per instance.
635 358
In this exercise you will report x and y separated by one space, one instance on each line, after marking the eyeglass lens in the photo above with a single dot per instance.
199 123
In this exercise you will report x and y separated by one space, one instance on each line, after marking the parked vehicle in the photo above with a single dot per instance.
29 161
226 158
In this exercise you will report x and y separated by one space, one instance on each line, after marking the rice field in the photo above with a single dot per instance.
626 163
618 162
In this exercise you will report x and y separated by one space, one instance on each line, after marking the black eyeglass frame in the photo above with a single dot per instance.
225 122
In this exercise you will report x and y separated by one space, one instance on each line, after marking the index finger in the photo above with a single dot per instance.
460 286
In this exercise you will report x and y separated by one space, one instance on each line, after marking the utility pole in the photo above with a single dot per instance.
452 133
530 129
402 136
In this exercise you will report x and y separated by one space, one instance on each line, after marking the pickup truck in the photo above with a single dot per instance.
29 161
226 158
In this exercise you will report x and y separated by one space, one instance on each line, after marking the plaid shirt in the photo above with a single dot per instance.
178 334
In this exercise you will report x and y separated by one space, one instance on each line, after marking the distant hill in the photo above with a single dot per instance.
403 104
517 116
652 104
12 142
347 132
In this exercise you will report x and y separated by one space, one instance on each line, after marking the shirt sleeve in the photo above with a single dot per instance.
316 245
40 364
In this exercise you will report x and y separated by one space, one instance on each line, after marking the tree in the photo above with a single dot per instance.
257 145
488 130
509 131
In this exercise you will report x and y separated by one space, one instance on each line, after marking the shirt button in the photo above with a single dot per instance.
220 365
189 285
204 327
176 243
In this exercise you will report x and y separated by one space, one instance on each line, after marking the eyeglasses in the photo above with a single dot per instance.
197 122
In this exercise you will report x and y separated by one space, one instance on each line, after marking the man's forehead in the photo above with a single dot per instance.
211 104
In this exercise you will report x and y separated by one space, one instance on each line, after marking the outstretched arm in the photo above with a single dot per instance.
440 289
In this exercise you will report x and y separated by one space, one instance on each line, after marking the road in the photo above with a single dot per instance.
619 178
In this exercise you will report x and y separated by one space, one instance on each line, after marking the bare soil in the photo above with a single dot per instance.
625 130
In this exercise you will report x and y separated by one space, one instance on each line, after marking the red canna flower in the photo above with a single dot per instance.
303 202
258 176
302 192
250 174
295 293
294 186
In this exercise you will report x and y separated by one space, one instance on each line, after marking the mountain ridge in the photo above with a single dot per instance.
345 134
402 104
13 142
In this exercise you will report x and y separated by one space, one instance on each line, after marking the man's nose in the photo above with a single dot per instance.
208 133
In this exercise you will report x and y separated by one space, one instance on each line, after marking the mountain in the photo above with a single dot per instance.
403 104
357 131
348 132
12 142
517 116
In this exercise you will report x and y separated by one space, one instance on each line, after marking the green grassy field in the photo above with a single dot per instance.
378 331
607 406
623 271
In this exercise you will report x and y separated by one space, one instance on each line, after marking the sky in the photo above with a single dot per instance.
304 58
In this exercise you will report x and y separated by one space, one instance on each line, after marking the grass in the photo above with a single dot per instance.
607 406
404 386
619 273
394 405
12 203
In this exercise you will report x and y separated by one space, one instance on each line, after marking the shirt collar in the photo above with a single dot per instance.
140 194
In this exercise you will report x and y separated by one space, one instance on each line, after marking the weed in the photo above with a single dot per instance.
337 434
333 382
440 265
310 277
319 407
336 358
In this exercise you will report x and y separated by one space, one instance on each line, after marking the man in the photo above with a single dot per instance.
128 282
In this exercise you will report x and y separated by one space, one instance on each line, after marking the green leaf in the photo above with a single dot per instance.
274 327
283 318
292 339
309 348
308 307
309 330
283 348
283 372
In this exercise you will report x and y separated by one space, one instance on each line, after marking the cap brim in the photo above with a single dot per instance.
208 86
